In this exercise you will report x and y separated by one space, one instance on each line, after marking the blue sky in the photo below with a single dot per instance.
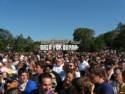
57 19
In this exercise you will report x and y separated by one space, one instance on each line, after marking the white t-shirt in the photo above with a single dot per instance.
59 70
23 86
82 66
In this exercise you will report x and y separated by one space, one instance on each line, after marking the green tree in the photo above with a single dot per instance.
19 43
107 38
5 34
86 38
2 48
112 39
6 40
99 43
36 45
119 40
29 44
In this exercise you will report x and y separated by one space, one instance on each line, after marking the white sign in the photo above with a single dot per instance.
58 47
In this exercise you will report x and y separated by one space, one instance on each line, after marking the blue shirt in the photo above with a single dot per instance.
104 88
31 85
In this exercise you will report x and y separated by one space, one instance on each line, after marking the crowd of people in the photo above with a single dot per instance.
62 72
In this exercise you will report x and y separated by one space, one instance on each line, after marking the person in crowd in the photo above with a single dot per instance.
122 90
82 85
102 87
26 86
58 67
40 66
83 65
11 86
109 69
118 82
56 80
2 83
45 86
122 65
68 87
71 67
60 64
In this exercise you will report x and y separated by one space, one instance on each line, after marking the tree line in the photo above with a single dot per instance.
19 43
114 39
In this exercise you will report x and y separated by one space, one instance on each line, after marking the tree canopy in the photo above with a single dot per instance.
85 36
18 43
113 39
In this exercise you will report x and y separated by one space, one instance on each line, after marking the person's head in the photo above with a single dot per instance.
122 65
23 75
59 60
39 67
45 82
118 75
69 78
123 75
47 61
97 75
32 66
82 58
21 65
48 68
108 69
71 66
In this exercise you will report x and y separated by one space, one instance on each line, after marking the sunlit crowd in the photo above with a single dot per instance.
62 72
